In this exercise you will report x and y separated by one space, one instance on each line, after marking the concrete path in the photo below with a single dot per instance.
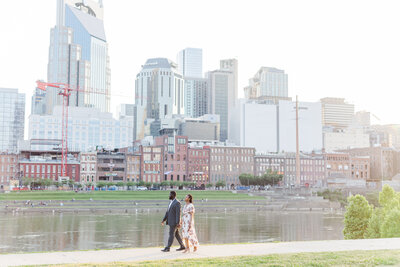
144 254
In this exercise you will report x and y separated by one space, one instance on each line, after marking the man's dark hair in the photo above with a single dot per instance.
173 193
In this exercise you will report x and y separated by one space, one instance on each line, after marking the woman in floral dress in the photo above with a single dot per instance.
188 231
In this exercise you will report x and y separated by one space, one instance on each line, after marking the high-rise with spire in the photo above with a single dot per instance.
78 56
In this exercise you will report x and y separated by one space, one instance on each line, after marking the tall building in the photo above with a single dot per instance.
87 128
12 119
159 93
196 91
78 56
271 127
190 62
38 102
336 112
270 82
232 66
223 93
126 110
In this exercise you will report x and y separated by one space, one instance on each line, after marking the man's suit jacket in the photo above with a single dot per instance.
173 214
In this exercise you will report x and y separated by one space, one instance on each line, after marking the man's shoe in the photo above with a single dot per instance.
165 250
180 249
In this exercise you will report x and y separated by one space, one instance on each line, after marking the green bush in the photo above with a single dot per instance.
391 224
356 218
386 196
374 224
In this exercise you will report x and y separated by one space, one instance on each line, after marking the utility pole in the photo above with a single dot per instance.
297 144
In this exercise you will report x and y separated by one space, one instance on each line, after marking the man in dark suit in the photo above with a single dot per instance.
173 219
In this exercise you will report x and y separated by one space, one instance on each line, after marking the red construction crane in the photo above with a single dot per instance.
65 92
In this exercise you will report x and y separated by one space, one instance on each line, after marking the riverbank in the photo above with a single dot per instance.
132 202
365 251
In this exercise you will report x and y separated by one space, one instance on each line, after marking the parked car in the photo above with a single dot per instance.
142 188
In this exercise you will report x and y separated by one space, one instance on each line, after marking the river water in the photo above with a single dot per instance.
62 232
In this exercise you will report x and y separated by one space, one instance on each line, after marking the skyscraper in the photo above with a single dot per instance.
38 102
12 119
232 66
196 92
336 112
159 93
190 62
78 55
223 93
267 82
222 98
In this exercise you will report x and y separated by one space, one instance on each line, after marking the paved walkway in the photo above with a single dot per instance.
143 254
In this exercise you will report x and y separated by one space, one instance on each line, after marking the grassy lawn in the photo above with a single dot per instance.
352 258
122 195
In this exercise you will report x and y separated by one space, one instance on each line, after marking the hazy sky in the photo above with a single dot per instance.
335 48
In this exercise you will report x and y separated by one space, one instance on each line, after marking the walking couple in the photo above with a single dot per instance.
173 219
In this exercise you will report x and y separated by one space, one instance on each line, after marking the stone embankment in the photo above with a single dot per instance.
271 201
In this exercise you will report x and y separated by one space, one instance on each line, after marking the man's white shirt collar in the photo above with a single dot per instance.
170 203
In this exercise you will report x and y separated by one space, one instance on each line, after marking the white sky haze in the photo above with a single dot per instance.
338 48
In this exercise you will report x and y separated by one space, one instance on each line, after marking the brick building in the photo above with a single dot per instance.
312 167
199 165
175 156
133 162
111 167
151 169
273 162
88 162
345 170
227 163
9 170
47 165
384 162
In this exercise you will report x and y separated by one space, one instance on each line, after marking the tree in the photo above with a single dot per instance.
71 183
391 224
386 196
356 218
246 179
120 184
165 183
209 185
374 224
47 183
220 184
101 184
130 185
27 181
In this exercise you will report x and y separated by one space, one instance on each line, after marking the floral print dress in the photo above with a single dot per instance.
188 230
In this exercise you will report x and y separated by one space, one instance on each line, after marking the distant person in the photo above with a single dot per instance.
188 230
173 219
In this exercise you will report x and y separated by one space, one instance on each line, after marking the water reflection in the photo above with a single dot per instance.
47 232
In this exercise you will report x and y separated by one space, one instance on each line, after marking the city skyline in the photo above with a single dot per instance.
298 55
